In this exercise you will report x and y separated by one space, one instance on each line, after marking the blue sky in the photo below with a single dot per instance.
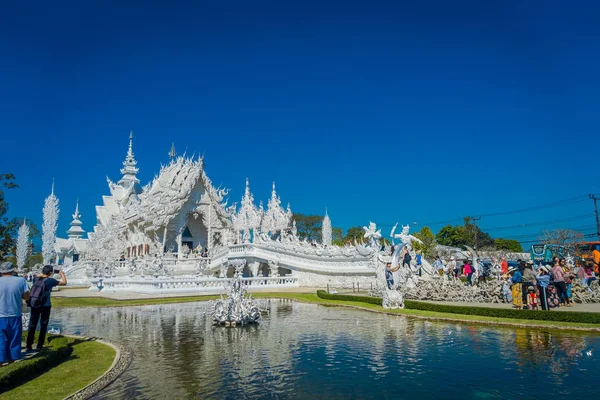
390 112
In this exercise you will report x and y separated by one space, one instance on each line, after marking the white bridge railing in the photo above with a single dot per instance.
191 284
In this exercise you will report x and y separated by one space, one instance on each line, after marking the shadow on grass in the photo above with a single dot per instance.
59 351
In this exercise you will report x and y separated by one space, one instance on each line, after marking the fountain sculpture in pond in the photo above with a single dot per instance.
237 308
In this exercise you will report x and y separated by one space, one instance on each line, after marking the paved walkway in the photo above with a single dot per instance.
593 307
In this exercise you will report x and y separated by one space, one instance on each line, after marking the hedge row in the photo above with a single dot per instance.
534 315
23 371
347 297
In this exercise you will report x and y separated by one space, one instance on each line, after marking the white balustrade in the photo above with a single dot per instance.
188 284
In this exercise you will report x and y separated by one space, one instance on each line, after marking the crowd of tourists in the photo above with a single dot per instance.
547 286
525 286
14 290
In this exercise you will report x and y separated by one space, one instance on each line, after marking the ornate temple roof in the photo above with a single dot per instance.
175 185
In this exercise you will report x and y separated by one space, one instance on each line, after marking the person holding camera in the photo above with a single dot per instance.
40 303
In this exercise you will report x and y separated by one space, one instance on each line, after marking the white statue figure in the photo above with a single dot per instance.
372 234
388 277
404 236
294 229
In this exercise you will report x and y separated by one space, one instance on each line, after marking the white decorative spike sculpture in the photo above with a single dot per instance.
22 245
276 218
49 226
326 230
248 217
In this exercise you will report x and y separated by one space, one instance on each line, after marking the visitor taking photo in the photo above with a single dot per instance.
41 304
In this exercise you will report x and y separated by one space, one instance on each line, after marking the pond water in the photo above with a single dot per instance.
310 351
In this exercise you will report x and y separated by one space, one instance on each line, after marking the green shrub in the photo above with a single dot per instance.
23 371
346 297
538 315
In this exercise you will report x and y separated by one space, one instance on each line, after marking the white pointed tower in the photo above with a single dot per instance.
130 168
326 230
75 231
50 217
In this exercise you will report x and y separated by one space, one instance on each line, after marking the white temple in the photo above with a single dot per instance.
177 233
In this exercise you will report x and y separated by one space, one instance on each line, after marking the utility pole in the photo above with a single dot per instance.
597 218
468 219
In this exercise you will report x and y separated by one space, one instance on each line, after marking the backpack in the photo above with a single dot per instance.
37 294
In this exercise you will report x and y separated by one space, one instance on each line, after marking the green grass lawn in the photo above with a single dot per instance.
103 302
89 360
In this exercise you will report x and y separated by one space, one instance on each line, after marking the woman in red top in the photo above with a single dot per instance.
468 271
504 266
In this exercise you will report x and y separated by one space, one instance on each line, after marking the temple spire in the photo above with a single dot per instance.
75 231
129 169
172 153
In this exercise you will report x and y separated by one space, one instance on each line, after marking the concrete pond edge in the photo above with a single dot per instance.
121 362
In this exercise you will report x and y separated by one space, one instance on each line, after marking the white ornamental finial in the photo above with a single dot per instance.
130 151
172 152
76 215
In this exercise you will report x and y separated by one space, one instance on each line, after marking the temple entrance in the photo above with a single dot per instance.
195 234
187 239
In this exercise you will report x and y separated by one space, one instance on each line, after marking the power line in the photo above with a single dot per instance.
571 200
528 235
589 235
568 219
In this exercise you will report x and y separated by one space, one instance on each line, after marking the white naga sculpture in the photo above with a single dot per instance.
404 237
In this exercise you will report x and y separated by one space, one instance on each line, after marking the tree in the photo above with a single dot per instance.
7 227
454 236
427 248
309 226
567 238
337 236
32 260
510 245
457 236
355 233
